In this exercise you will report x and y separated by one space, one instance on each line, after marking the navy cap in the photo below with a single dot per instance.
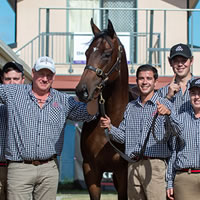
13 65
195 83
180 50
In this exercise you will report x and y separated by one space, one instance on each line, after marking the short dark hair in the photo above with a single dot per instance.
147 67
9 66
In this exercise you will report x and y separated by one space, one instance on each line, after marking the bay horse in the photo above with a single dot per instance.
106 71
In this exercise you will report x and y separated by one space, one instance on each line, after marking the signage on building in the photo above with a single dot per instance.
82 42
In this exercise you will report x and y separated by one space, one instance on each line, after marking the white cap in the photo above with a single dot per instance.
45 63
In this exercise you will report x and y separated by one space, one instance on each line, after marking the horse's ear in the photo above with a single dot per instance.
95 29
111 30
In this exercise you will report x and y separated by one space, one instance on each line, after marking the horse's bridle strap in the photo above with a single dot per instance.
99 72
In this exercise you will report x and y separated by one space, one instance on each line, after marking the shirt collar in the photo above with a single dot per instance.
191 111
52 91
151 101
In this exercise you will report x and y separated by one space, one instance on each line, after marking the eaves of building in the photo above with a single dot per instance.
8 55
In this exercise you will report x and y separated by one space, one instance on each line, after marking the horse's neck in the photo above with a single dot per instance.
116 95
121 84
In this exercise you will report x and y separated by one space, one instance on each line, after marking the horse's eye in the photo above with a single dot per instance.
106 54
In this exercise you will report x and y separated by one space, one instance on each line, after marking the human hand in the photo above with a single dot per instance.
173 88
105 122
170 193
162 109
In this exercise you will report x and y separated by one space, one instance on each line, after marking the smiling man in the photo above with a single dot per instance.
146 177
180 60
12 73
184 177
37 116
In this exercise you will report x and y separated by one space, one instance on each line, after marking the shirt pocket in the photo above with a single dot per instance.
57 115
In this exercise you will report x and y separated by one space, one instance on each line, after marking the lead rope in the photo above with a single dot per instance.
106 131
169 131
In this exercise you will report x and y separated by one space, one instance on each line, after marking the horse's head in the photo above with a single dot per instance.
103 59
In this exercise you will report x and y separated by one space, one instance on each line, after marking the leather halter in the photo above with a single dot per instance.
105 75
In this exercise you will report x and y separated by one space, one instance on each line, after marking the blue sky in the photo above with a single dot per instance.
7 23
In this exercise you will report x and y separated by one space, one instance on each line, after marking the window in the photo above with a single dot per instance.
127 22
8 22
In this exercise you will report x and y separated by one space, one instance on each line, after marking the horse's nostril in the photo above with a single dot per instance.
85 94
82 93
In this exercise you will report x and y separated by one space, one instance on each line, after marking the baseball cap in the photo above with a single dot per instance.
45 62
13 65
180 50
195 83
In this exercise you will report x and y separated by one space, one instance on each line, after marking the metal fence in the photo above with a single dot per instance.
61 47
149 34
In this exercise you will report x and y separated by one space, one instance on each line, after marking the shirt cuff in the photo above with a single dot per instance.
169 99
170 184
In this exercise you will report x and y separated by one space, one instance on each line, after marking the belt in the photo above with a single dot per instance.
36 162
190 170
147 158
3 164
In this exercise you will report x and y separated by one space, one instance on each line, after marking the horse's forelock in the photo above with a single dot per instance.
101 34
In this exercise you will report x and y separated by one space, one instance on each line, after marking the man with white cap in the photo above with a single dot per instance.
37 117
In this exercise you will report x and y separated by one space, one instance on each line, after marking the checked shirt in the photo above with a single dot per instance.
189 156
181 101
135 125
3 129
36 133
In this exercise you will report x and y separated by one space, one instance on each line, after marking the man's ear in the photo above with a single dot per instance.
156 82
54 76
23 79
33 71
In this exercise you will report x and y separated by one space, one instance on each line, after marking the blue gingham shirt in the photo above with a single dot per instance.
135 125
189 156
37 133
181 101
3 129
